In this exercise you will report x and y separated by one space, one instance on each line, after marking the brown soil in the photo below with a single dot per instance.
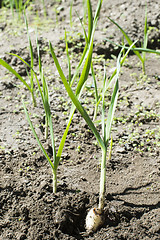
28 208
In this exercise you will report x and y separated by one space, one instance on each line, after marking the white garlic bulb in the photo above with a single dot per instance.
94 219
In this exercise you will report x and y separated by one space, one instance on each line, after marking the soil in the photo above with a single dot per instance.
28 208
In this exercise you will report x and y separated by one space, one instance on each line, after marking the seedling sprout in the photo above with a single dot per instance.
143 48
44 93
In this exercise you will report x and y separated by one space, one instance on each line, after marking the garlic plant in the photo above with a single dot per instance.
44 92
95 216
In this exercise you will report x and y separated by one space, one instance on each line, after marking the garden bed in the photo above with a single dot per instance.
29 209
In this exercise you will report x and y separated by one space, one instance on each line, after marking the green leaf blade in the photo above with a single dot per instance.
127 38
11 70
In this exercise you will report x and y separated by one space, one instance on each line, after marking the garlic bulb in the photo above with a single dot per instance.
94 219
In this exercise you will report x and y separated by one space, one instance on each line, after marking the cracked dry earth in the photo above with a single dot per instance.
28 208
